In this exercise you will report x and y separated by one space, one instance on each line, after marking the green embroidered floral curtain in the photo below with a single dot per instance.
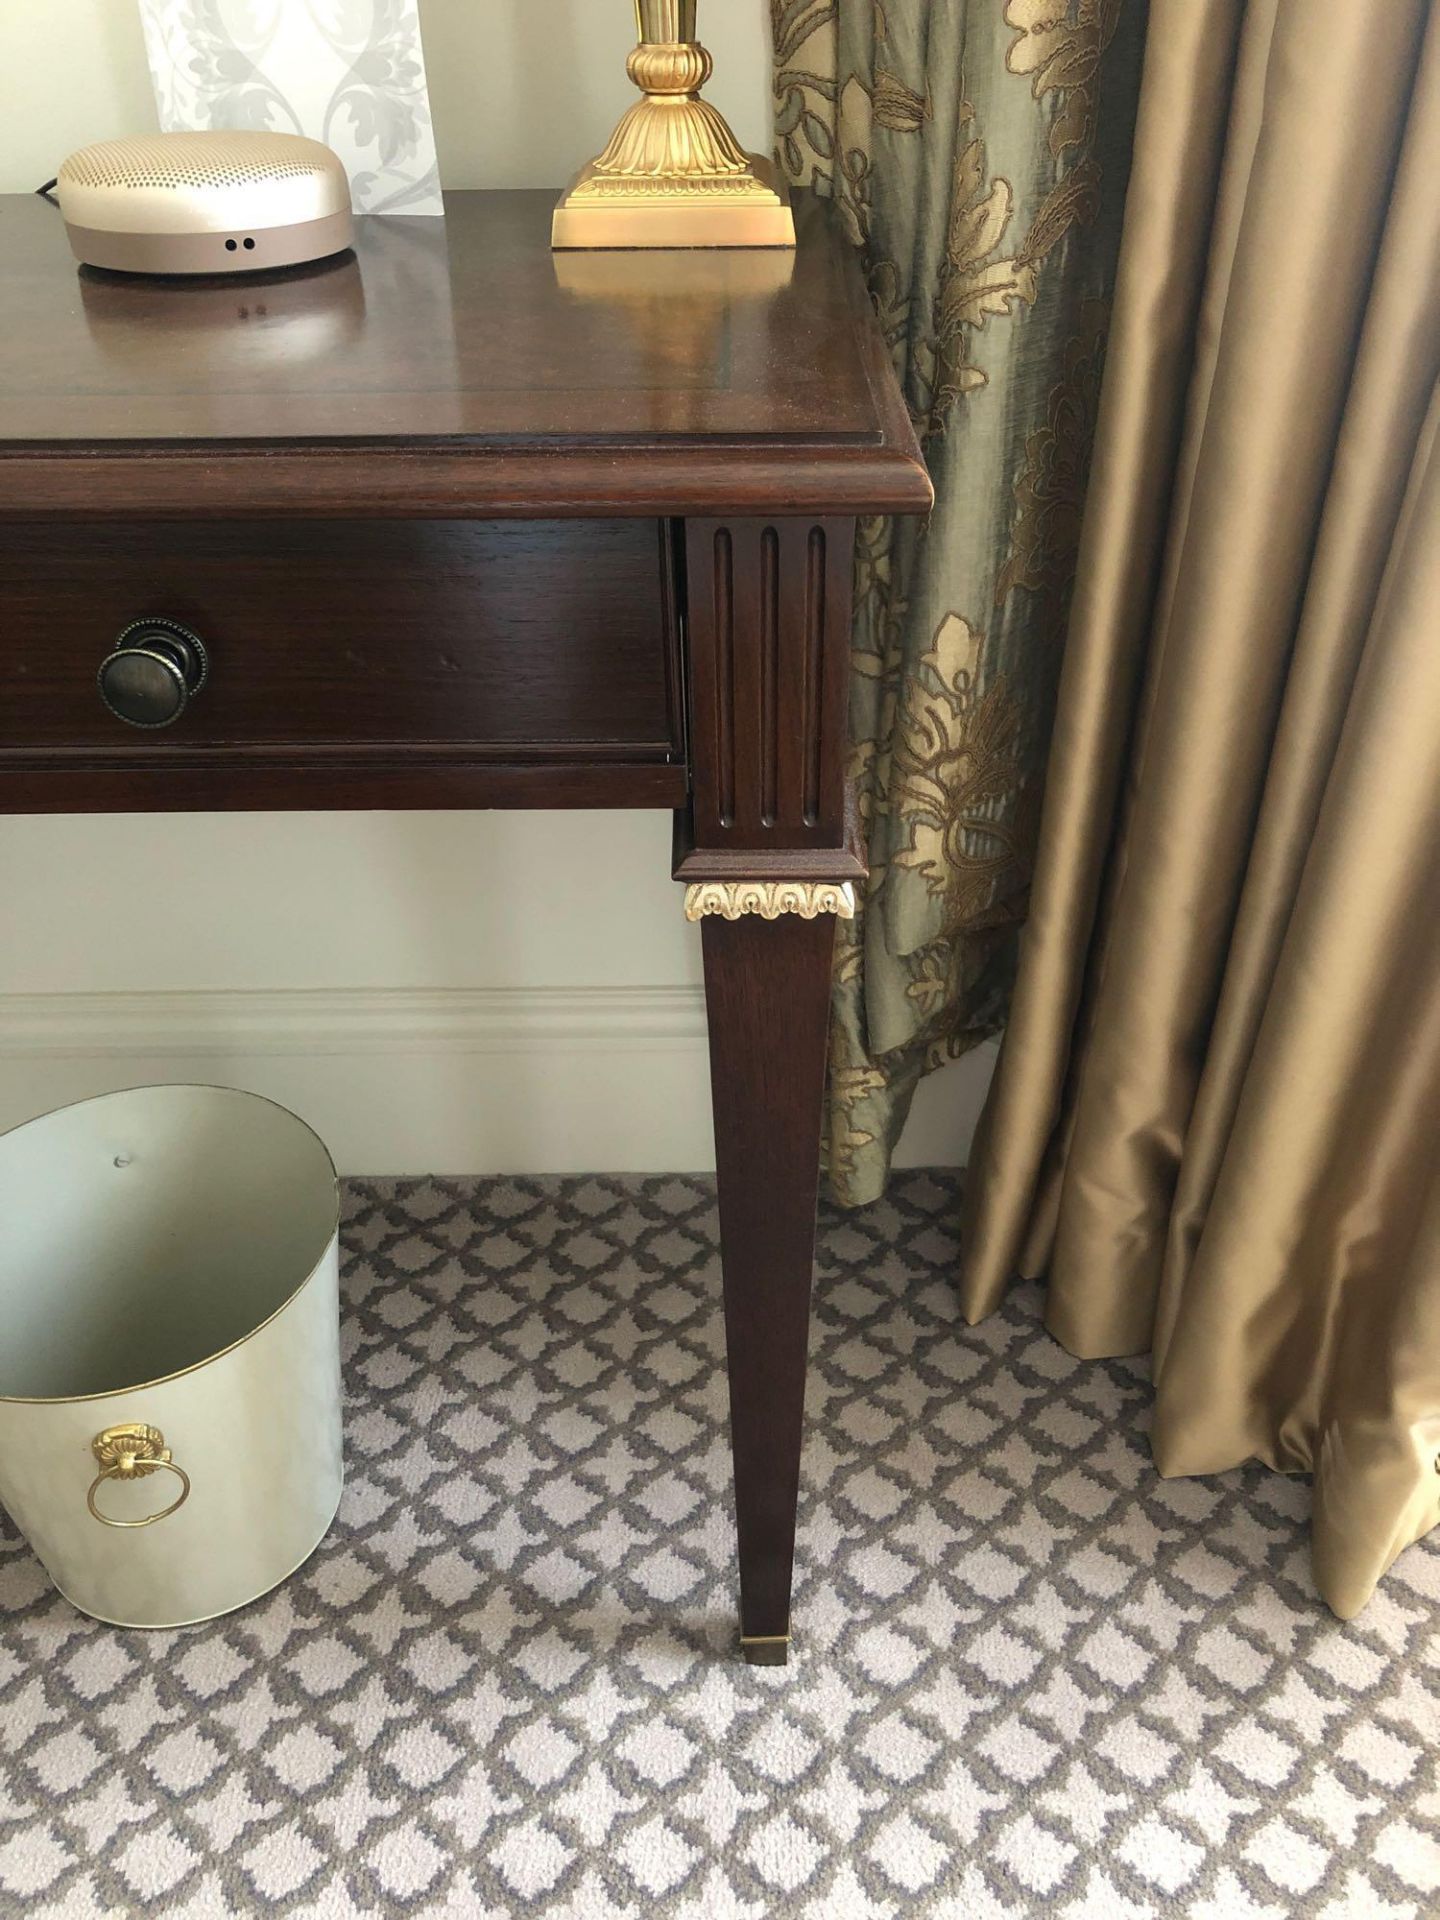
979 152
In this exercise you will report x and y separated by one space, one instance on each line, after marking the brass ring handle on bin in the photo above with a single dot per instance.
132 1452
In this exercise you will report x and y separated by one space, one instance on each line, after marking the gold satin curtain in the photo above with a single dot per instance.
1216 1123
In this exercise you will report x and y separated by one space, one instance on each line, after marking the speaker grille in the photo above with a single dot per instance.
234 159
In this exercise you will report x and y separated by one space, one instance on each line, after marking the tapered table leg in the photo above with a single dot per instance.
765 850
767 986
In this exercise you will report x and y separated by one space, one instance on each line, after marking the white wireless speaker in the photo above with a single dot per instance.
204 202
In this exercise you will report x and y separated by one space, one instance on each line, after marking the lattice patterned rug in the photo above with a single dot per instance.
1030 1677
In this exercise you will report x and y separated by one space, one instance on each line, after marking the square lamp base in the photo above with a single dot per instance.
614 211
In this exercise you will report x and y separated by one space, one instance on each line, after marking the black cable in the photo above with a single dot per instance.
45 193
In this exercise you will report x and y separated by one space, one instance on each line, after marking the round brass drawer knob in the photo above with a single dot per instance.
153 673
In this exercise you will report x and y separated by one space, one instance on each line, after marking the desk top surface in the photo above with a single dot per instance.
462 335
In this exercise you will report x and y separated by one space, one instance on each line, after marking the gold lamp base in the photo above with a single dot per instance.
673 174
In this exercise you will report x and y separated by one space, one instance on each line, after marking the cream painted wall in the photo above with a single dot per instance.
523 91
493 991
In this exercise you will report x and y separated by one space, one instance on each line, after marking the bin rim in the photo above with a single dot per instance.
180 1373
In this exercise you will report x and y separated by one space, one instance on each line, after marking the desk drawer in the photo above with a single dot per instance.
350 663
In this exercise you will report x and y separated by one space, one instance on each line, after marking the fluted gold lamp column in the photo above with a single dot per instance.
673 174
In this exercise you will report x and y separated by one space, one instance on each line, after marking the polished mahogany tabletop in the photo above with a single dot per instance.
462 328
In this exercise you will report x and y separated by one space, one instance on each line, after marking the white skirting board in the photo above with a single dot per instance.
579 1080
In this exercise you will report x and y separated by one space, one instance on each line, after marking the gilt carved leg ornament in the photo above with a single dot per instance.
734 899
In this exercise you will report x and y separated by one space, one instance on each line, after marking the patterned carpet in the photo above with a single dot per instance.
1030 1677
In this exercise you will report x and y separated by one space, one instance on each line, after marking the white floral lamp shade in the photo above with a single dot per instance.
348 72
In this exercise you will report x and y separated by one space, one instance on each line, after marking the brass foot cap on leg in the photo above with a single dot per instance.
765 1649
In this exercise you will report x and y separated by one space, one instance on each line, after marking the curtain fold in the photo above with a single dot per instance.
1215 1122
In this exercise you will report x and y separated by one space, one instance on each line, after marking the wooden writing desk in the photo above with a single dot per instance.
459 523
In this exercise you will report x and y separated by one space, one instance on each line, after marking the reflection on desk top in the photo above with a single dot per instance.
453 335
